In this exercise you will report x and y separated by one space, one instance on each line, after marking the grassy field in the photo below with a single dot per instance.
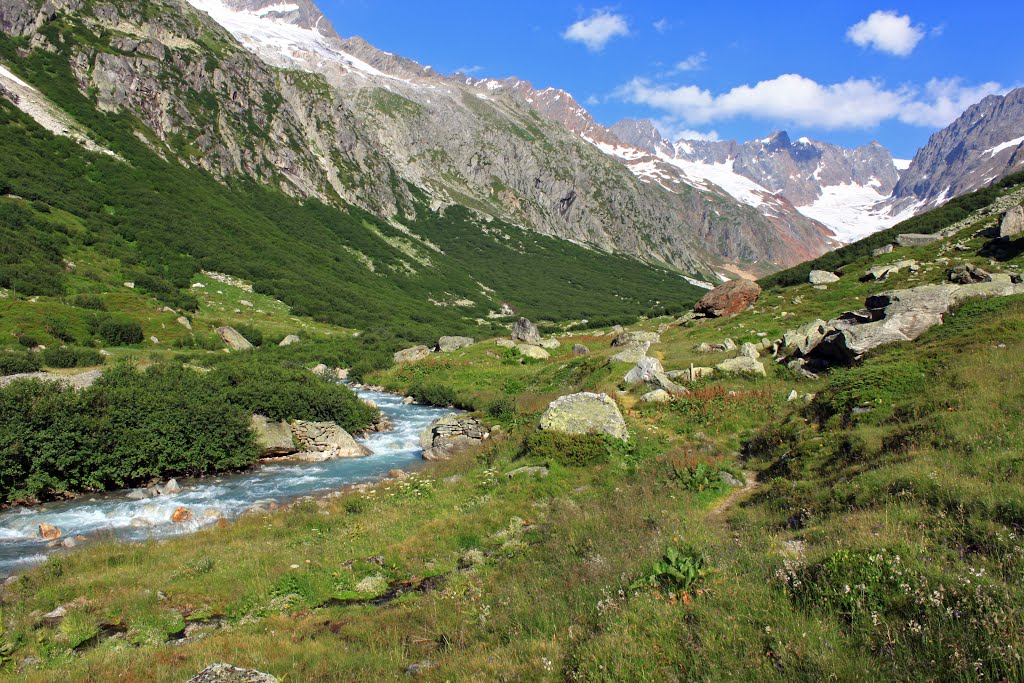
877 537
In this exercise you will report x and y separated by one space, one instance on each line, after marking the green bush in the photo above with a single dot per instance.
90 301
59 328
573 450
28 341
13 363
502 409
120 331
252 334
69 357
438 395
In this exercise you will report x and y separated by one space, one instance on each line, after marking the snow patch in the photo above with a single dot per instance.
992 151
902 164
850 211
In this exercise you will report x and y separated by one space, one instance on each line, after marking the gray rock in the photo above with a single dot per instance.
225 673
631 354
184 322
644 371
635 338
551 343
451 434
526 332
916 240
656 396
449 344
750 351
140 494
793 395
1012 223
272 438
967 274
822 277
411 355
580 350
686 376
170 488
729 345
234 339
805 337
731 480
505 343
887 249
741 365
531 351
289 340
538 472
585 413
880 272
319 441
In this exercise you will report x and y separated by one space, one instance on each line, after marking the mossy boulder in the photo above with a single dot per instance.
585 413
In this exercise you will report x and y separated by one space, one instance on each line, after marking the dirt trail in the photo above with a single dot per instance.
716 514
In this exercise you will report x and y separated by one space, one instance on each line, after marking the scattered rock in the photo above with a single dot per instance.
408 401
539 472
170 488
184 322
731 480
234 339
887 249
505 343
225 673
656 396
181 515
741 365
411 355
968 274
585 413
289 340
635 338
550 343
916 240
644 371
750 351
531 351
449 344
130 285
48 531
822 277
243 302
793 395
729 299
450 434
580 350
274 439
416 669
526 332
1012 223
880 273
154 340
631 354
141 494
690 374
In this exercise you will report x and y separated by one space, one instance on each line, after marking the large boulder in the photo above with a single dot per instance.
550 343
531 351
272 438
645 371
225 673
411 355
878 273
741 365
325 441
526 332
635 338
450 434
968 274
289 340
729 299
631 354
916 240
234 339
585 413
806 337
822 277
580 350
1012 223
449 344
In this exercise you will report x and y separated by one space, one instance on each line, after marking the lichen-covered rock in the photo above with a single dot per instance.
635 338
656 396
729 299
585 413
531 351
645 370
526 332
741 365
750 350
505 343
580 349
225 673
968 274
272 438
631 354
550 343
411 355
234 339
450 434
917 240
822 277
289 340
449 344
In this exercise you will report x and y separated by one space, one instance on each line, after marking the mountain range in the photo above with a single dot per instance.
270 91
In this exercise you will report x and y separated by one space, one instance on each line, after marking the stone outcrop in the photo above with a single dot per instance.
411 355
274 439
82 380
234 339
911 239
729 299
585 413
968 274
325 441
1012 222
822 277
741 365
449 344
450 434
526 332
646 370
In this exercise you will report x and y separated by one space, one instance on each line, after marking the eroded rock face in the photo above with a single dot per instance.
411 355
585 413
526 332
729 299
449 344
450 434
234 339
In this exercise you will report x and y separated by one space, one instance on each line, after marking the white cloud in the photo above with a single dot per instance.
596 30
661 25
792 98
469 70
591 101
886 32
693 62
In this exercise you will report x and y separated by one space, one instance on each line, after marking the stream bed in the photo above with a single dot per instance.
210 498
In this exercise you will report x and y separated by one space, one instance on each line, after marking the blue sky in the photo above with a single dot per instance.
844 72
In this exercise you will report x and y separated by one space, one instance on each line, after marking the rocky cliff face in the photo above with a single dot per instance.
321 116
984 144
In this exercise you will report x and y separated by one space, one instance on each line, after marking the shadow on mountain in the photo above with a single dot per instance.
1002 249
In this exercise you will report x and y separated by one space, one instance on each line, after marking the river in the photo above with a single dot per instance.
114 514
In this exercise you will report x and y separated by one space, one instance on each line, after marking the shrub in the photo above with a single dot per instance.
90 301
120 331
503 409
59 328
252 334
573 450
28 341
677 570
13 363
69 357
438 395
